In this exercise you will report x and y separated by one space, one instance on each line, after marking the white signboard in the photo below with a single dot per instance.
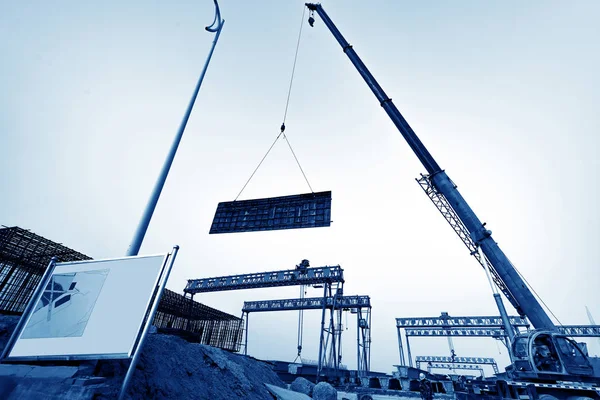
90 309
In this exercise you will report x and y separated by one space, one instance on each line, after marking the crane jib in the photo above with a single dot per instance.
513 282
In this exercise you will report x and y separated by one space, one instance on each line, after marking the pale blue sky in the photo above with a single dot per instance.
504 95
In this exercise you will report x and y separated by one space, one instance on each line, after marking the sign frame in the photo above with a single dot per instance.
151 307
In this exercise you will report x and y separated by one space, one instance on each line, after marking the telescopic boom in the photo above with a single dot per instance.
518 292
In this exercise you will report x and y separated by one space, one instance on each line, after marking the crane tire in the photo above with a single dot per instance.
547 397
579 398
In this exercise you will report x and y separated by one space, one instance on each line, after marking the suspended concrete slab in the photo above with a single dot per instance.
309 210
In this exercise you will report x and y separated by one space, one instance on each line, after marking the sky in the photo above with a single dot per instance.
503 94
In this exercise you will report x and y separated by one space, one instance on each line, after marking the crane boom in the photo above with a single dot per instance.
526 302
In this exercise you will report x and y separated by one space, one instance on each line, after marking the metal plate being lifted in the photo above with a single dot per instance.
309 210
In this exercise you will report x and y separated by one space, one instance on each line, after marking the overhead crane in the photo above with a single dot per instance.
330 355
289 277
331 278
449 326
472 326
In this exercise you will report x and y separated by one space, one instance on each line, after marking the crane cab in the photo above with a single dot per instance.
546 355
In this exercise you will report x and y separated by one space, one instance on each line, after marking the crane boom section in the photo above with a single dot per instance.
526 301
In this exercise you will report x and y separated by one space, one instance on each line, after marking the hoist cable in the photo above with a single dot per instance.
258 166
300 326
287 103
298 162
535 293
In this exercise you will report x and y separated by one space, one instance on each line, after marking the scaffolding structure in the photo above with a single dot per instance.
24 257
201 323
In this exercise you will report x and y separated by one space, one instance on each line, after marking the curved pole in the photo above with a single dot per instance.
140 232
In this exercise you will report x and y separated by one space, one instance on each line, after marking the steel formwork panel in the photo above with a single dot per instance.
313 303
293 277
458 322
309 210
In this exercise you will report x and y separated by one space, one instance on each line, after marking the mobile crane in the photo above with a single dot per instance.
545 363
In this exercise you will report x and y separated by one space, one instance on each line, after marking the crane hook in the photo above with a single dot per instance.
311 18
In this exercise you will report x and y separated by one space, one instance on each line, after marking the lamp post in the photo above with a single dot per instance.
140 232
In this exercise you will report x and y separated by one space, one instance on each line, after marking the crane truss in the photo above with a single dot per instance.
447 211
580 330
458 360
291 277
330 355
569 330
446 325
476 332
460 322
312 303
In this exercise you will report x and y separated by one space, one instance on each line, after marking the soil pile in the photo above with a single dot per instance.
169 368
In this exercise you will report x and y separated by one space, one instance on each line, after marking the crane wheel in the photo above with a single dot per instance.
547 397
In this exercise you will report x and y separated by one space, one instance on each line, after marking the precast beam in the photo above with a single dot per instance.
459 360
312 303
455 366
292 277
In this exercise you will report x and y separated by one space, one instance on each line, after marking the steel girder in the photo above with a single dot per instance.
292 277
312 303
580 330
476 332
569 330
460 322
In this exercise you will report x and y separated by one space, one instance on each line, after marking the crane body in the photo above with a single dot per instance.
522 298
542 355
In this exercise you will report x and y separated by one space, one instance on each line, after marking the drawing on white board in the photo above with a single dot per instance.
66 305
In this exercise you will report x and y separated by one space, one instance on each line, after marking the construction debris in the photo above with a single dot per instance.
324 391
302 385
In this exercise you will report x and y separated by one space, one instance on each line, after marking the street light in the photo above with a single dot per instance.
140 232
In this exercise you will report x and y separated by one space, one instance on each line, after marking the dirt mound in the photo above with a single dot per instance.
171 368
